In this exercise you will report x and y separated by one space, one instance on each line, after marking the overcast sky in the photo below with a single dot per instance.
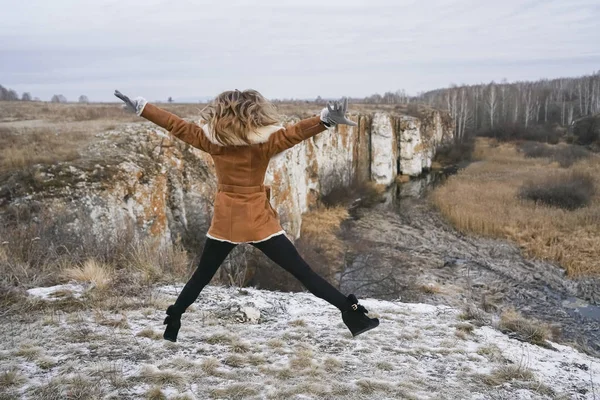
300 49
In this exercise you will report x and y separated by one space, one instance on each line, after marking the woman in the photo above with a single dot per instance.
241 135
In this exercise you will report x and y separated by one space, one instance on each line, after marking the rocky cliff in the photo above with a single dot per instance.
136 176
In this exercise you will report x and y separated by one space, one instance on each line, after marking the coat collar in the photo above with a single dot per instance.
260 135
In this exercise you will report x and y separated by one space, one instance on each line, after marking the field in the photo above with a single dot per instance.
99 334
542 197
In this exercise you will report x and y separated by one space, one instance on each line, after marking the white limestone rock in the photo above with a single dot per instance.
383 149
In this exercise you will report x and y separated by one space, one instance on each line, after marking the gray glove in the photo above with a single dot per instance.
335 112
135 106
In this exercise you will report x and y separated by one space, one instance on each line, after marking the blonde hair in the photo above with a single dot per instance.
232 115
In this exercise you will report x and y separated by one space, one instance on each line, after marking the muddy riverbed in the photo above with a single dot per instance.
403 249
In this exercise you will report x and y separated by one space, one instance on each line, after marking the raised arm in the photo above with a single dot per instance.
291 135
185 131
330 116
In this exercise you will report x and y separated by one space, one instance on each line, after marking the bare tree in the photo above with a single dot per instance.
26 96
12 95
58 98
546 101
491 102
83 99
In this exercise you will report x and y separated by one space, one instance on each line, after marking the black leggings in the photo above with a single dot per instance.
279 249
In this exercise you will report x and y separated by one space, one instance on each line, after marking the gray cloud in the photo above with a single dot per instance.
185 48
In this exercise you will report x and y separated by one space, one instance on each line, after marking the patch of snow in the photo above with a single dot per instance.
297 348
58 292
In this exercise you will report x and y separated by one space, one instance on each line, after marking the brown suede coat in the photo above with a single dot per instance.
242 212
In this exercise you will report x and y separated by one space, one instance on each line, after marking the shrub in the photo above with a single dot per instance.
364 194
535 150
587 130
536 133
564 155
568 191
568 155
456 152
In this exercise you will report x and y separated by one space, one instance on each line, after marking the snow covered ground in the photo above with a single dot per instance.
254 344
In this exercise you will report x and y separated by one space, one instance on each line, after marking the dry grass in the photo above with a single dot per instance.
30 353
153 260
209 365
11 377
52 112
72 388
46 362
92 272
234 391
150 334
220 338
474 314
320 230
155 393
483 199
508 373
431 288
23 147
153 375
465 327
297 323
491 352
235 360
332 364
368 386
529 330
276 343
44 133
38 251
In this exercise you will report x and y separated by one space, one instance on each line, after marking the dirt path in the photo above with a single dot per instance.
405 249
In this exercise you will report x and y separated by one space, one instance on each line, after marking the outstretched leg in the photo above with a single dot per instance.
213 255
284 253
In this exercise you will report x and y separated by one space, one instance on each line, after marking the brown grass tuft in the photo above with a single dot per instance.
508 373
220 338
529 330
297 322
235 391
491 352
11 377
209 365
332 364
30 353
155 376
92 272
154 260
150 334
431 288
483 199
235 360
155 393
370 386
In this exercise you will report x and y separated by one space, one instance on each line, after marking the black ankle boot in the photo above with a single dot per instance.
173 322
355 319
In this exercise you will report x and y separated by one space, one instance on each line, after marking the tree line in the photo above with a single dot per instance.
476 108
12 95
489 106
